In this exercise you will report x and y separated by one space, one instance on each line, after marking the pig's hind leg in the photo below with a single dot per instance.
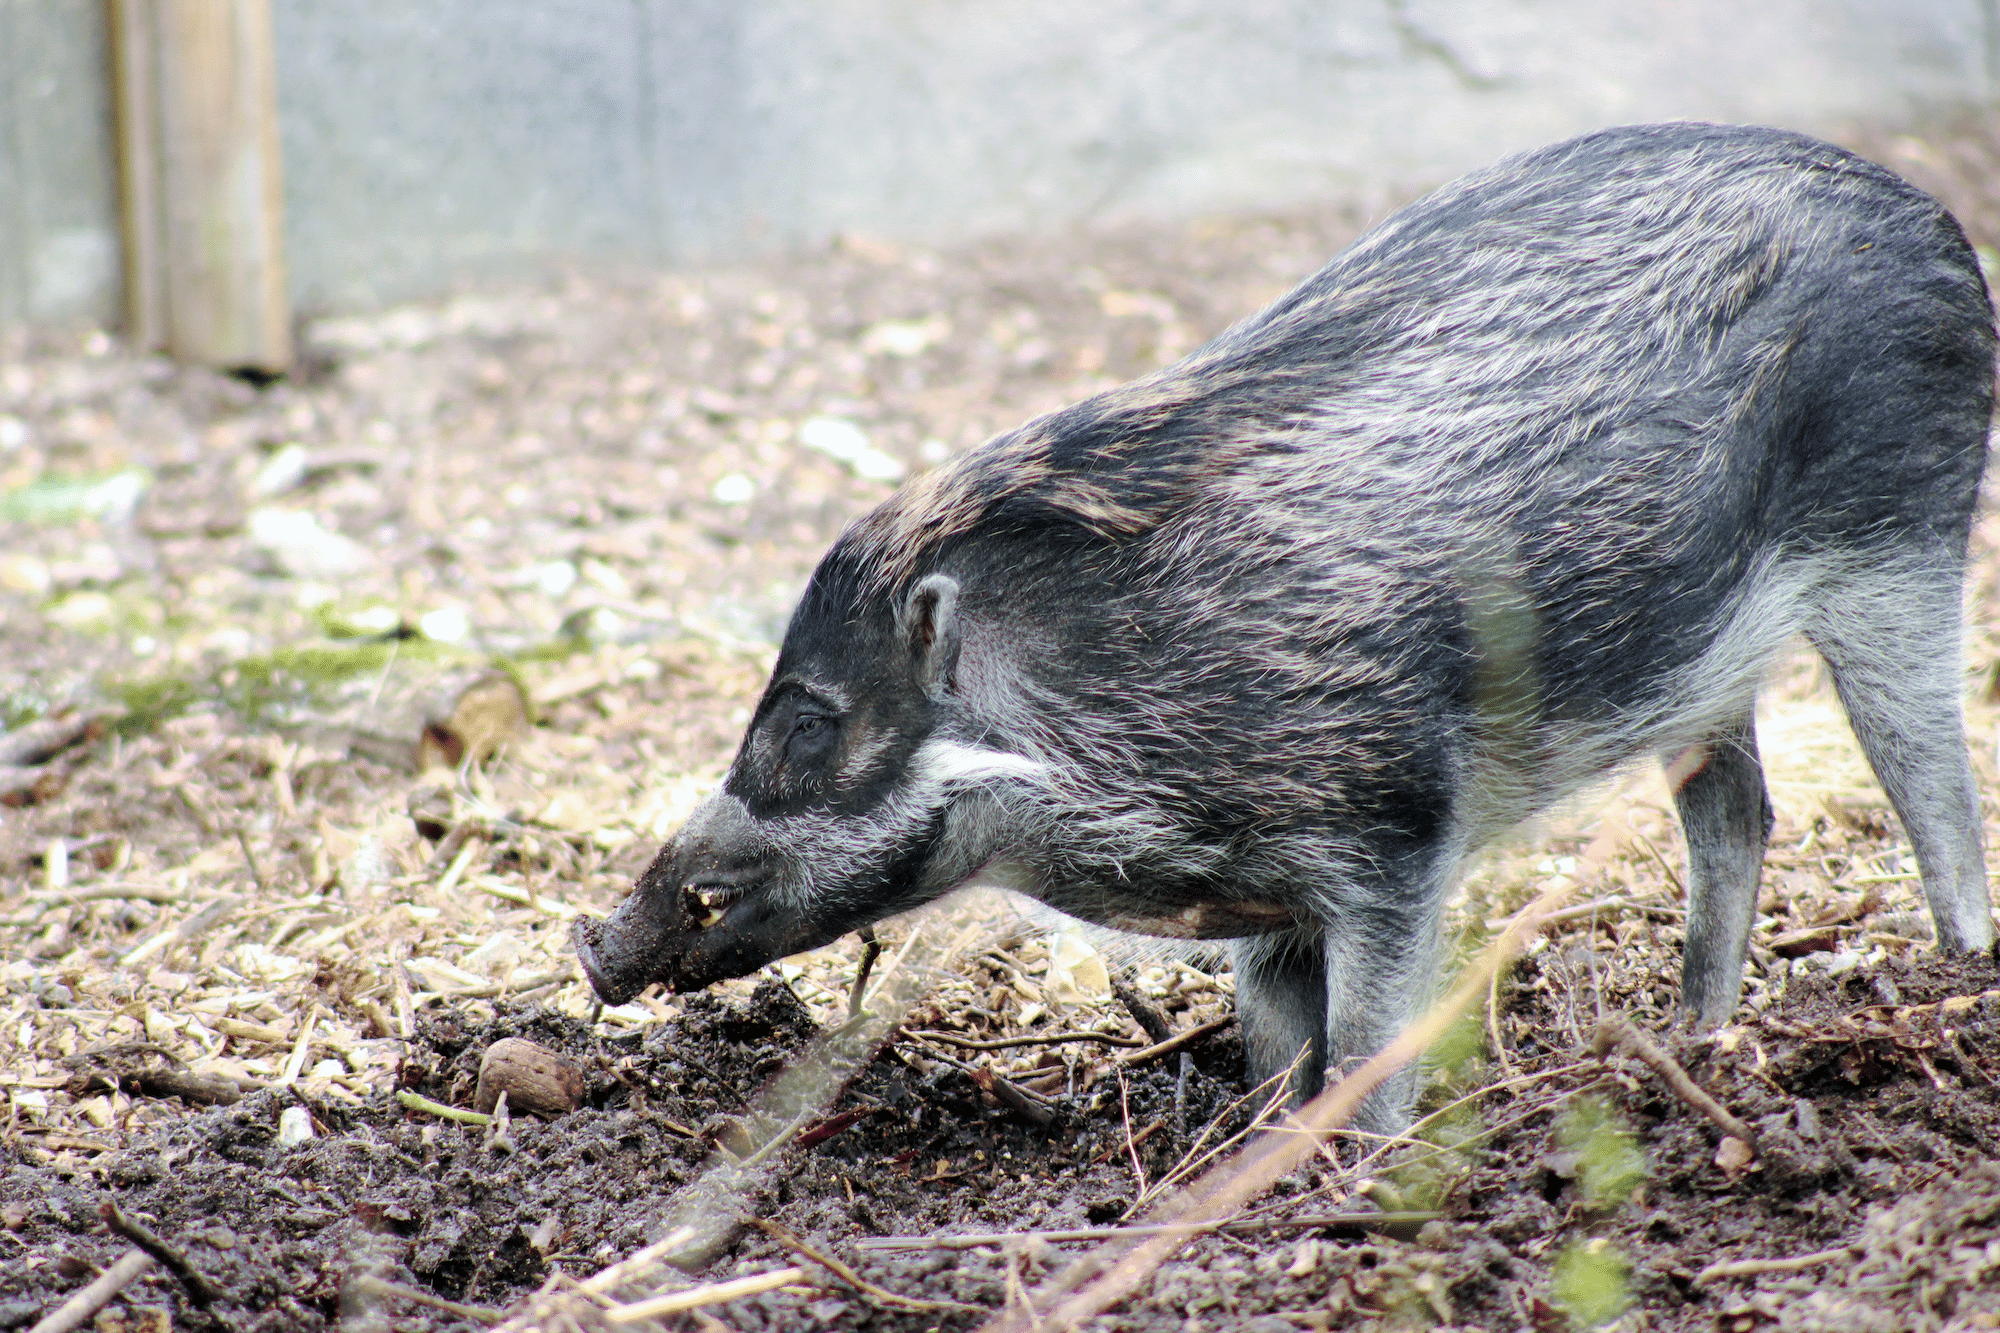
1891 639
1726 817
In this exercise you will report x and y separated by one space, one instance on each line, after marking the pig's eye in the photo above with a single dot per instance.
811 735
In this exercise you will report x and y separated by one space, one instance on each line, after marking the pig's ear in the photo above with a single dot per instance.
930 627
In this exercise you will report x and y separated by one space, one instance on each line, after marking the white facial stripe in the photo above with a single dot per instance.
950 762
863 758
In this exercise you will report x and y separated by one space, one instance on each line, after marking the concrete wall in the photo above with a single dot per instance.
432 142
59 243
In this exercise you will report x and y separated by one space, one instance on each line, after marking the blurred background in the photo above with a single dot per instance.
424 145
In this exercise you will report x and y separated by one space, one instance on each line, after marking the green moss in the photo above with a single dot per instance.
271 687
152 700
1592 1283
58 499
1458 1059
1610 1163
265 688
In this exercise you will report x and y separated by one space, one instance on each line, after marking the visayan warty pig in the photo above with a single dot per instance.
1529 482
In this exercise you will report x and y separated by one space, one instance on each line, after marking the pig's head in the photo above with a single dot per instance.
848 800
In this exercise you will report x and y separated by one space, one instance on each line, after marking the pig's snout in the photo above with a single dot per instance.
715 862
638 944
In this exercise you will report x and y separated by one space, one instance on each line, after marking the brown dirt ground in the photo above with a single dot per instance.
598 489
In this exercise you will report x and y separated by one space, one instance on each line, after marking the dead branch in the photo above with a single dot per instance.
831 1126
1615 1033
1276 1091
73 1312
871 949
198 1089
250 859
1493 1033
38 742
1135 1141
200 1290
1131 1144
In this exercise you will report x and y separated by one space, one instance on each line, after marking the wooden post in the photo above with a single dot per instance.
203 192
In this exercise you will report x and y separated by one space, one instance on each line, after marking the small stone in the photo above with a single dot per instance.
284 471
733 488
1733 1156
447 624
839 438
295 1126
535 1079
24 573
293 543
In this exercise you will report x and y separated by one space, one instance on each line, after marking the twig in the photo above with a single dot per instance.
204 1089
1752 1267
1409 1137
1013 1095
439 1109
449 880
880 1295
73 1312
145 893
500 888
1131 1144
1151 1020
1244 1227
211 914
1493 1025
871 949
1604 905
969 1070
1035 1039
1673 876
1616 1032
1136 1140
417 1296
200 1290
710 1293
448 846
829 1127
250 859
40 741
1173 1043
1276 1090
